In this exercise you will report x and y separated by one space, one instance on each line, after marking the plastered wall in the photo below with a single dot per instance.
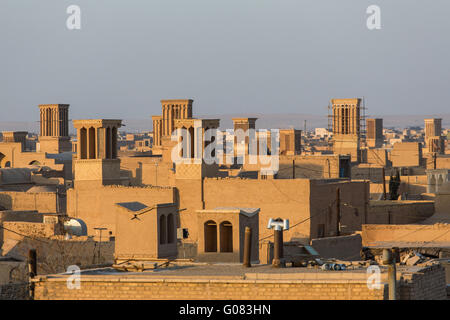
96 205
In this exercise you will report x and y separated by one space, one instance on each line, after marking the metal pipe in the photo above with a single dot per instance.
32 263
277 250
338 212
389 259
247 247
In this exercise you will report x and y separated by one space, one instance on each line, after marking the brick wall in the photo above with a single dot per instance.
14 291
427 284
198 289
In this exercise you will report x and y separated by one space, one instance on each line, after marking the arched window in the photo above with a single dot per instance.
191 142
7 164
114 142
162 229
92 142
34 163
83 143
170 228
2 157
226 237
210 236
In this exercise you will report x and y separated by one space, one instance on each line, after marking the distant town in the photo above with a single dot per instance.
186 210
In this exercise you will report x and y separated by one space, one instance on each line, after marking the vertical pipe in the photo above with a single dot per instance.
277 249
389 259
293 169
247 247
32 270
338 212
32 263
392 274
384 184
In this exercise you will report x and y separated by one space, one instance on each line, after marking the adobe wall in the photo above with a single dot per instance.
54 252
354 196
13 271
343 247
441 163
24 216
405 233
141 237
313 167
399 212
283 198
13 153
96 206
146 171
158 174
367 172
14 291
21 201
411 188
406 154
377 156
442 202
427 284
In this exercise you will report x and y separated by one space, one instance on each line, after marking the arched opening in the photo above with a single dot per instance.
34 163
114 143
92 143
191 142
170 228
440 180
83 143
2 157
162 229
226 237
183 141
108 145
8 164
210 236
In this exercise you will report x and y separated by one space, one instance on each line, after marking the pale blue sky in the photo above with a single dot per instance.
230 56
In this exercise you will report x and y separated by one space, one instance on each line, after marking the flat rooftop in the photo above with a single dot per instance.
211 272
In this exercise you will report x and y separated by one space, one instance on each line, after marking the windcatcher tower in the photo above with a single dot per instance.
172 110
346 126
374 136
433 138
96 161
54 128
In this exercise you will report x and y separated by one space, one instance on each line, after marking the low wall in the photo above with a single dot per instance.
14 291
399 212
21 201
198 289
413 283
428 284
405 233
343 247
54 253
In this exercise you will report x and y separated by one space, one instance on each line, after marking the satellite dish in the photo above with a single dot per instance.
75 227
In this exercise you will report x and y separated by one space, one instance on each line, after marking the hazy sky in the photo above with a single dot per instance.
230 56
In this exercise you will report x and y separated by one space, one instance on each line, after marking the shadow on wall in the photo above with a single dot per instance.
56 255
5 202
134 176
302 171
